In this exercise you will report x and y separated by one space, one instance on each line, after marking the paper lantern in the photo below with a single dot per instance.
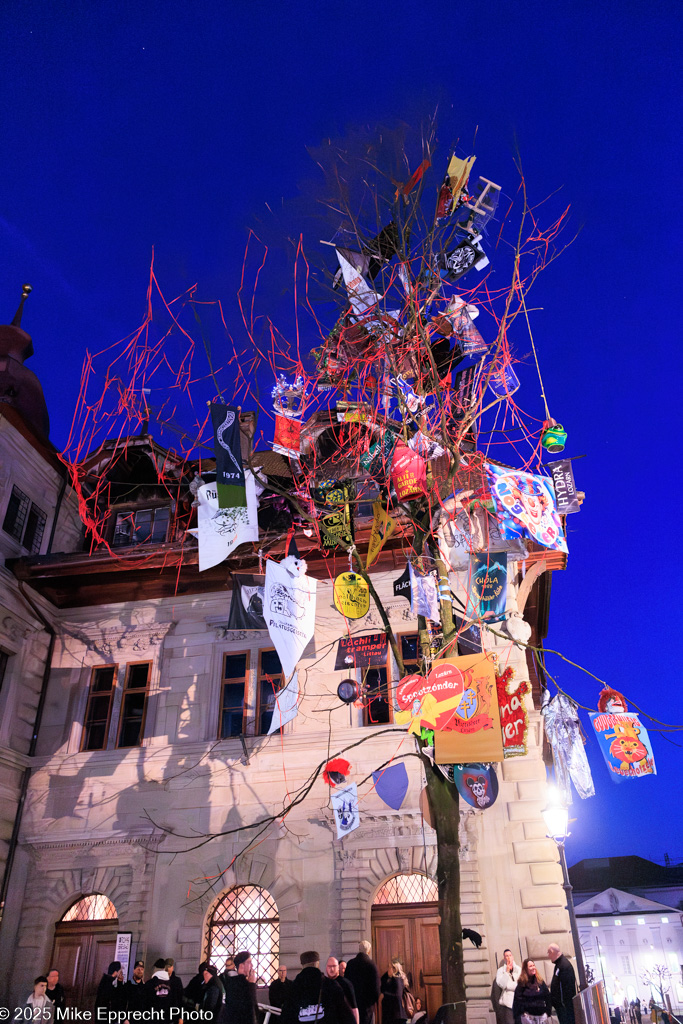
408 474
554 436
351 595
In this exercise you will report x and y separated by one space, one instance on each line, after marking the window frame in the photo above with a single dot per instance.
133 510
30 507
125 689
91 693
261 677
391 670
225 679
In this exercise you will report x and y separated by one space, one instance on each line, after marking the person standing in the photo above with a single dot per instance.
342 968
563 985
507 977
55 991
332 971
280 988
362 972
157 993
109 990
176 984
314 997
393 986
43 1008
134 990
240 993
532 997
212 993
193 989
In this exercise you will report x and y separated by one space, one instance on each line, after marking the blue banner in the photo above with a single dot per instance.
625 745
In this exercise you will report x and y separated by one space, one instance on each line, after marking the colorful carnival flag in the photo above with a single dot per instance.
477 784
402 585
361 295
287 437
408 474
366 651
246 601
566 498
220 530
230 482
625 744
474 732
289 608
345 806
285 704
378 458
383 526
525 505
514 720
391 784
488 585
431 702
351 595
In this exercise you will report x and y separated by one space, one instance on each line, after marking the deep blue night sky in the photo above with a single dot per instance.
131 125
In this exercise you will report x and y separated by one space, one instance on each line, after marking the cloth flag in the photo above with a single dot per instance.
285 704
361 295
391 784
402 585
563 484
220 530
525 506
246 602
289 609
424 596
488 586
625 745
230 481
345 807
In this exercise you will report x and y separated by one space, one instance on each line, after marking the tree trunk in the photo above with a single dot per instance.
445 807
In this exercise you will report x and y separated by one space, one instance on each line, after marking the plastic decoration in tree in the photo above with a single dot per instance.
554 436
335 771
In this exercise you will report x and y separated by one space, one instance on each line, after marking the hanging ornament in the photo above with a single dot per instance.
348 691
611 701
351 595
554 436
408 474
476 783
335 771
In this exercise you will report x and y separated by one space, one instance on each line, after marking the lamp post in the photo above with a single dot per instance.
556 817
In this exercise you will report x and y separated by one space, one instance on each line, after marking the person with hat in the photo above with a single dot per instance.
133 990
315 997
240 993
157 992
194 988
110 989
212 993
176 983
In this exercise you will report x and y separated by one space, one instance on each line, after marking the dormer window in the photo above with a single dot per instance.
24 521
142 526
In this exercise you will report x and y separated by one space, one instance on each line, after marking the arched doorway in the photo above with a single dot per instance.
405 923
84 946
245 918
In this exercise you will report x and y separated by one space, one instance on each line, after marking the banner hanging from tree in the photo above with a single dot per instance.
366 651
345 806
290 598
246 602
566 498
625 744
230 482
488 586
221 530
525 505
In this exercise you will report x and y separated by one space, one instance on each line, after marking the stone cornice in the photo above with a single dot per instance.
108 641
78 841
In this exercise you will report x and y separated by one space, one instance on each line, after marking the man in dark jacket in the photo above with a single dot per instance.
176 983
193 989
314 998
55 991
240 993
110 989
134 990
212 993
157 994
364 976
563 985
280 988
332 971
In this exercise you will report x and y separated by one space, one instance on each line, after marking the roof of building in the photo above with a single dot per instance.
616 901
601 873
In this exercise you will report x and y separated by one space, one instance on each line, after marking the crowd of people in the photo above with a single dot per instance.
344 993
520 996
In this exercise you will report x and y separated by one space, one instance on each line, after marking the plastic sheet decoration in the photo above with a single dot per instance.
408 474
525 505
563 729
424 597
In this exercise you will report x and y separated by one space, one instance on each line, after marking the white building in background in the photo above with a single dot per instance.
150 714
625 938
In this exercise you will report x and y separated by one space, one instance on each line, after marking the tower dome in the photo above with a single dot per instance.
19 385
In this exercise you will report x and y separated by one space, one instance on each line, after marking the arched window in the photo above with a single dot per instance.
245 918
92 908
412 888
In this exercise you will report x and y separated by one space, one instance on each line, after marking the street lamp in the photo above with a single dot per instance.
556 817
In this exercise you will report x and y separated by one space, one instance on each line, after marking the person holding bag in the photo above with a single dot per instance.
531 1003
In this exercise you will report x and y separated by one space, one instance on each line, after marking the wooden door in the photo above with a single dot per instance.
81 953
411 932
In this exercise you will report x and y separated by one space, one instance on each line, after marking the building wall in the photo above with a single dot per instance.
97 821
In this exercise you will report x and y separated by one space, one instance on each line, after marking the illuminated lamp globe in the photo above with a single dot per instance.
556 818
347 691
553 436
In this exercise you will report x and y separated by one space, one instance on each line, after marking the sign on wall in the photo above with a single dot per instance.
122 953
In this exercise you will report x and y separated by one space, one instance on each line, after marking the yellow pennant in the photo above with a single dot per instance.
459 173
383 527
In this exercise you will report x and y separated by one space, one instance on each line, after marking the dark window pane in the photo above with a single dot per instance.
267 693
95 736
35 528
137 677
132 713
103 679
235 666
409 648
17 510
377 708
124 529
143 526
233 710
160 528
270 663
4 658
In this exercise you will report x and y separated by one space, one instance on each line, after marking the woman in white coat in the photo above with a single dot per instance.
507 977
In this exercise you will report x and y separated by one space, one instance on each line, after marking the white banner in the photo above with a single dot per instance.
285 707
424 597
345 806
289 609
220 530
361 295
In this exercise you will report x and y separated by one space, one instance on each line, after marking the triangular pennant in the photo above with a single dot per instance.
383 527
391 784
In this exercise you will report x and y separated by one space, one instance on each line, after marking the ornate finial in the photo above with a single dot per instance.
26 290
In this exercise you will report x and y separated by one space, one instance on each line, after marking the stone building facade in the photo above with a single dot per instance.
128 821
